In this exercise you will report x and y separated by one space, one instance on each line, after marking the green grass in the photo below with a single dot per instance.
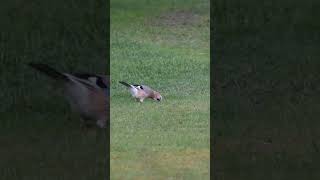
164 45
39 137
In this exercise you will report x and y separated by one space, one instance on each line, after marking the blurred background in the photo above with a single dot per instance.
266 89
40 138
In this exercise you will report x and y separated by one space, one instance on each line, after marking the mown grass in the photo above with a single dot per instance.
266 83
40 139
164 45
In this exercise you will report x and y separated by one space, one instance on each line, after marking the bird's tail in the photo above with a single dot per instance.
48 71
124 83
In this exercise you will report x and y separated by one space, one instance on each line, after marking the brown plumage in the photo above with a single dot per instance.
141 92
88 94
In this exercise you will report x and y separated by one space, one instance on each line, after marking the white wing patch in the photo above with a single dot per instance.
93 79
134 91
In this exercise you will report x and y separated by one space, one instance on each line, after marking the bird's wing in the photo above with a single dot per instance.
138 86
85 82
89 80
146 89
126 84
99 80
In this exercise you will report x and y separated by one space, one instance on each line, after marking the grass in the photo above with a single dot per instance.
40 139
164 45
265 89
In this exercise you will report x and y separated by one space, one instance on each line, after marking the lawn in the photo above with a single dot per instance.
164 45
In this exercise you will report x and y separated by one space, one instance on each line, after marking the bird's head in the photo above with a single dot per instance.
157 97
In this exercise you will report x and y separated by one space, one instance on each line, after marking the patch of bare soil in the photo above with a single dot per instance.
176 18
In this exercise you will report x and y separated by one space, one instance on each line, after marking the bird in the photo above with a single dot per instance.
88 94
141 92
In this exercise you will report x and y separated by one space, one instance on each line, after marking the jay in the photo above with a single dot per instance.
88 94
141 92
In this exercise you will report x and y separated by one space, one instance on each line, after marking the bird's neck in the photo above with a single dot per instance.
152 94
